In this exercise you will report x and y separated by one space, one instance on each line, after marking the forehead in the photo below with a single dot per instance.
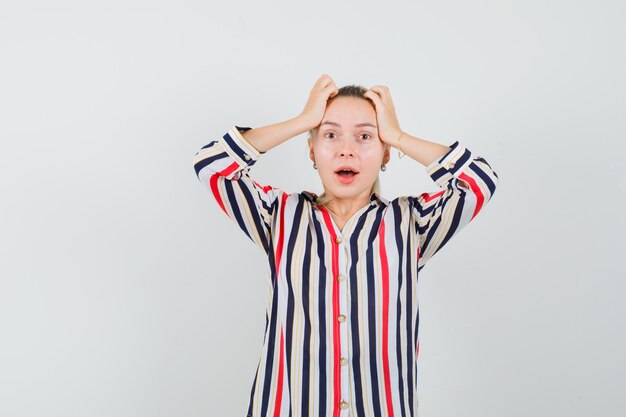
349 112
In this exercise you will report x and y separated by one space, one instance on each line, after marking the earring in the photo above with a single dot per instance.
383 168
314 166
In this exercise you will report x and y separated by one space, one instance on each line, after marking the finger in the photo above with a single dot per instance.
375 93
383 91
388 94
329 83
323 80
331 90
374 97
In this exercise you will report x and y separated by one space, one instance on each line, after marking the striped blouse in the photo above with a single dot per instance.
341 328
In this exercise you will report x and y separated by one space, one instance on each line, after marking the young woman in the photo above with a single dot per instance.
341 334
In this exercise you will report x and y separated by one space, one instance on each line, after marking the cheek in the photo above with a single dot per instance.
323 157
372 159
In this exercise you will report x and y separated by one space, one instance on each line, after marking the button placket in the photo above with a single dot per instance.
342 318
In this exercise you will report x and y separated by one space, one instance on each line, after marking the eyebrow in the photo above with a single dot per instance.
356 125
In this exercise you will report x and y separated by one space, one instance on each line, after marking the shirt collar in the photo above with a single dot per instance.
374 197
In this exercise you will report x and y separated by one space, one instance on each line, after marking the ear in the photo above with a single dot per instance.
387 154
311 154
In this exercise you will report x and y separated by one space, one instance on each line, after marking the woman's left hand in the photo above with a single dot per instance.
388 127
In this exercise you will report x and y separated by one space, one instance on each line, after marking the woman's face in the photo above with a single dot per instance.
347 138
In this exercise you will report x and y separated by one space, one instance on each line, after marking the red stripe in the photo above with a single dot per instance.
216 194
279 386
265 188
279 248
336 335
429 196
213 183
229 169
385 341
475 190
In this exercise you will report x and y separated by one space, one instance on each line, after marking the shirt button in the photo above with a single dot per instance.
344 405
340 277
246 156
339 239
452 165
341 318
343 361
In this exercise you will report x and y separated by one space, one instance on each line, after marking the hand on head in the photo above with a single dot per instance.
315 106
388 127
389 130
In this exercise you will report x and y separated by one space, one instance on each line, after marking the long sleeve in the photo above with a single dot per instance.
222 167
440 215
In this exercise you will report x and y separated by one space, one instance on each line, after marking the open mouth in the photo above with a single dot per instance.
346 173
346 176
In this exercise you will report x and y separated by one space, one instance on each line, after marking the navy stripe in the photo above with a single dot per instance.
491 186
251 402
230 194
354 312
262 228
438 173
290 296
454 224
481 159
433 227
465 156
371 311
234 147
408 305
399 239
208 161
306 348
269 357
208 145
323 382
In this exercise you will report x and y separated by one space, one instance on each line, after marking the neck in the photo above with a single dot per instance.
345 207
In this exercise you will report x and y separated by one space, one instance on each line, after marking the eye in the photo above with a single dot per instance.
366 134
329 133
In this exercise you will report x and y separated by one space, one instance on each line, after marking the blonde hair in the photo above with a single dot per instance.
356 91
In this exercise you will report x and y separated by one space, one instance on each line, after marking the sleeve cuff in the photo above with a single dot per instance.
450 165
238 147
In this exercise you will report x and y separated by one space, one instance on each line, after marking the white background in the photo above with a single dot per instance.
122 290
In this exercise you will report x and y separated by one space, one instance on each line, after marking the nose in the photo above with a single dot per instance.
346 148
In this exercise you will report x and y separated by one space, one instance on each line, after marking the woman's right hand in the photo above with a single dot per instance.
315 106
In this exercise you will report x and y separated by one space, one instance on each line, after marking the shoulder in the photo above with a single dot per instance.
309 196
295 199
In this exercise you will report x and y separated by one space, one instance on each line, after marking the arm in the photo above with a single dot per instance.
468 183
467 179
222 167
265 138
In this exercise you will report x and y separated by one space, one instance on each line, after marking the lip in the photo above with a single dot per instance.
346 167
346 180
